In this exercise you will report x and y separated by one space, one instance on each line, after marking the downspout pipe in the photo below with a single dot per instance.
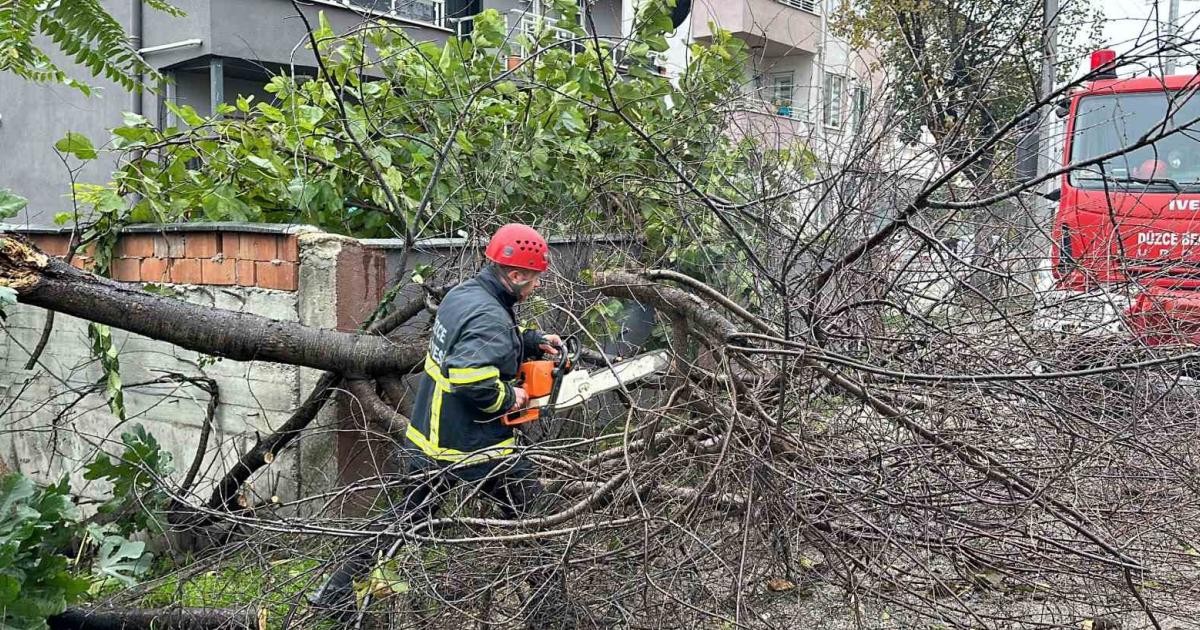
135 39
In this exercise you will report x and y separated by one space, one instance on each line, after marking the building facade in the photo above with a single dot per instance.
217 51
802 83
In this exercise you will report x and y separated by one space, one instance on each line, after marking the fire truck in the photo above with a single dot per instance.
1126 232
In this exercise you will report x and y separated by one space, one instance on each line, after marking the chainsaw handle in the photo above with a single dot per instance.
520 416
569 352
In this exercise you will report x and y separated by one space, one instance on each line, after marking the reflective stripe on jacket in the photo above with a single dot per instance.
475 350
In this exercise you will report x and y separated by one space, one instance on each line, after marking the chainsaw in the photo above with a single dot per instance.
554 384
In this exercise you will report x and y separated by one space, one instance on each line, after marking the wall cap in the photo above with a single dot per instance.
167 228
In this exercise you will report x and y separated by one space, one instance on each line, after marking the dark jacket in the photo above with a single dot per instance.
475 350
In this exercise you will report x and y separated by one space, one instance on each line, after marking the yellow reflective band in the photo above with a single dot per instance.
494 407
435 419
451 455
435 373
458 376
462 376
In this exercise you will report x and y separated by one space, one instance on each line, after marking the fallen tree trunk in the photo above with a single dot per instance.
157 619
54 285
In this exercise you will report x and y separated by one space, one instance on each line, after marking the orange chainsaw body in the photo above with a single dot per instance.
537 378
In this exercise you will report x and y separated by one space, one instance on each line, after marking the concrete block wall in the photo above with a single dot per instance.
51 423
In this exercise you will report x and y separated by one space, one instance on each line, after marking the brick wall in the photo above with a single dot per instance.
215 258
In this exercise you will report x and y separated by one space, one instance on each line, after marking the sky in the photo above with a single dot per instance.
1130 22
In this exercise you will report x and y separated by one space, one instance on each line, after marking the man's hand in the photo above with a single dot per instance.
522 397
550 345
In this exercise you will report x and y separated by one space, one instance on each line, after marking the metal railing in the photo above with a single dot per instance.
812 6
428 11
535 29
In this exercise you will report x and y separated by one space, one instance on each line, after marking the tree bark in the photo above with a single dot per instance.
156 619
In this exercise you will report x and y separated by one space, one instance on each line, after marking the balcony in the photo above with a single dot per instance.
527 31
779 27
431 12
768 129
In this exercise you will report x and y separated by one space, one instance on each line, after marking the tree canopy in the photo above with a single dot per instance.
81 29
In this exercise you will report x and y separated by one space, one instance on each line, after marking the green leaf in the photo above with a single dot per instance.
271 112
223 204
262 163
134 120
11 204
488 29
422 271
185 113
8 297
14 489
381 155
104 350
124 137
572 120
309 116
122 559
76 144
63 218
10 589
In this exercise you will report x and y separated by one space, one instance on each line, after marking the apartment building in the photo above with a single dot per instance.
802 83
219 50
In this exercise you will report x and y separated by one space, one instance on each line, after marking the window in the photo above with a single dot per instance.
861 97
429 11
783 89
812 6
835 88
1107 123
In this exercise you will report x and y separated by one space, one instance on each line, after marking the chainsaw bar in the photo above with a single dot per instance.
578 386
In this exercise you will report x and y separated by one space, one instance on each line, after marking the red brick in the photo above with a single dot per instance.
154 270
289 249
257 247
185 271
229 244
202 245
217 270
82 262
275 275
52 244
245 273
135 246
127 269
168 245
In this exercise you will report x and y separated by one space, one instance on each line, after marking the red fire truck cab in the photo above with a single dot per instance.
1130 220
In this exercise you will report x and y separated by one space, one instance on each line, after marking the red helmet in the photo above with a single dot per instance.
518 245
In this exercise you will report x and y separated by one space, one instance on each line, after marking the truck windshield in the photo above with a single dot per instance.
1107 123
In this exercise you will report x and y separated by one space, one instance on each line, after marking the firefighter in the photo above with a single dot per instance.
455 434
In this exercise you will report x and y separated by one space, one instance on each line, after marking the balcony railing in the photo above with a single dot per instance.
812 6
546 31
537 27
428 11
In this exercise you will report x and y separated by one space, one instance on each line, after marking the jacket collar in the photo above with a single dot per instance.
489 277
